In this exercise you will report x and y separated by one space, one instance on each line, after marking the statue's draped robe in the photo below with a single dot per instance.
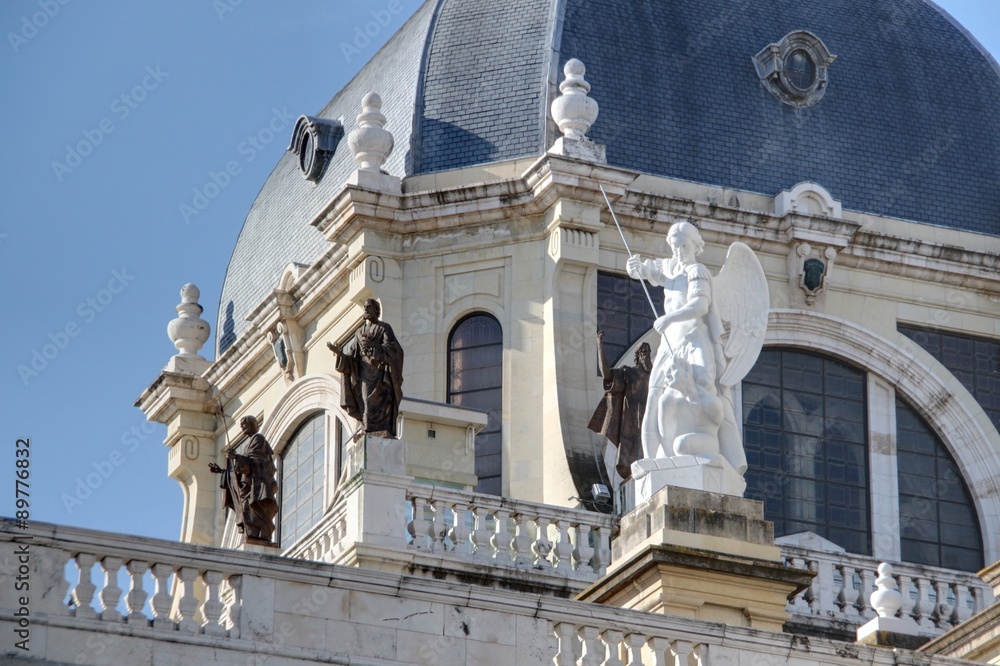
371 367
619 416
252 489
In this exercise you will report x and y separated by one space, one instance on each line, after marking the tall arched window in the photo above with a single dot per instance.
475 379
302 479
806 440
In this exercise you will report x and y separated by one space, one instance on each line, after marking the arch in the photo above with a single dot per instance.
302 399
945 404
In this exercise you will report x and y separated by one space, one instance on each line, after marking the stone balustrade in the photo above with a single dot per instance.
527 535
223 606
166 589
937 599
585 645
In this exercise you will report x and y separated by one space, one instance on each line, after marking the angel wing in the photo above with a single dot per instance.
740 296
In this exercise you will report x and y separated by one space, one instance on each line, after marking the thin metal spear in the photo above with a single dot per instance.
630 255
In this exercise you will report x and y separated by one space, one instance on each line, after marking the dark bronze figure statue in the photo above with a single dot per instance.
250 485
371 367
619 416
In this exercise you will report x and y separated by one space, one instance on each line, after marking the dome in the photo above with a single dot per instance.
908 126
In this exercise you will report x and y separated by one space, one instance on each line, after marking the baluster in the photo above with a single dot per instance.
681 651
634 643
701 654
660 648
233 599
566 635
867 587
459 533
187 605
419 525
848 596
961 612
437 529
501 537
481 535
83 593
563 548
160 603
903 582
520 544
798 605
593 648
978 600
942 609
111 592
583 551
542 546
922 609
602 554
136 597
814 594
213 607
612 640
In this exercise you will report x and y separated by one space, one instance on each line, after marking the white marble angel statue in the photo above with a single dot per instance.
713 330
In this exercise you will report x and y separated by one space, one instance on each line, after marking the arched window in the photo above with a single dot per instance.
937 520
302 479
806 441
475 379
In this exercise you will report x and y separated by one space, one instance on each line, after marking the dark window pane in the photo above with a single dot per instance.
938 520
475 379
623 312
805 435
303 474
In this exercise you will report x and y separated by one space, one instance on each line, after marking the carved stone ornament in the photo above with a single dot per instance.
369 141
573 111
809 270
794 69
314 140
281 345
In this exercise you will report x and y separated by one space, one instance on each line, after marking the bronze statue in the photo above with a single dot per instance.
619 416
371 367
250 485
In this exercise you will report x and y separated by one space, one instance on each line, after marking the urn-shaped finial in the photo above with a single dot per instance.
189 331
573 111
369 141
886 599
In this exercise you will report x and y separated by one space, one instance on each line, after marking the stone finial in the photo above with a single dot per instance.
886 599
573 111
188 331
369 141
886 629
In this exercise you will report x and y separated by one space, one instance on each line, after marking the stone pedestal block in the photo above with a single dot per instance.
712 474
893 632
708 556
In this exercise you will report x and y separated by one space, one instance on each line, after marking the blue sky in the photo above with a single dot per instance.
95 246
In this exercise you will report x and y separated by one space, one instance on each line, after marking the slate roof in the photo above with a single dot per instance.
909 126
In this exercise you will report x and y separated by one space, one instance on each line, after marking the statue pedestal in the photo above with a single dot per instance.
701 555
712 474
